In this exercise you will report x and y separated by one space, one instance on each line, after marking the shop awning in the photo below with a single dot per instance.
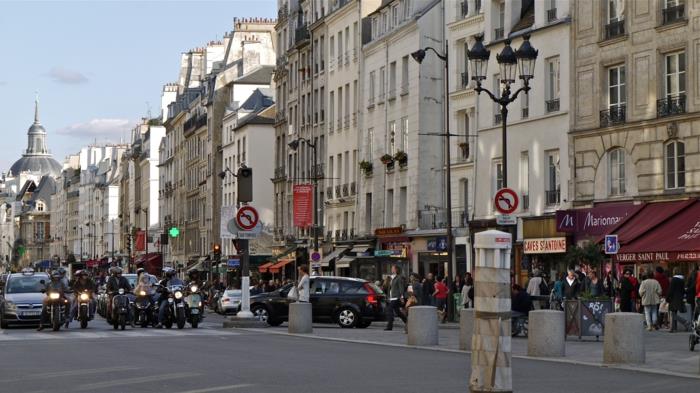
264 267
648 218
360 248
333 255
153 263
344 262
675 238
277 267
91 263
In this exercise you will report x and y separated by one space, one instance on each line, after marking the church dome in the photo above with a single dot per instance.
36 159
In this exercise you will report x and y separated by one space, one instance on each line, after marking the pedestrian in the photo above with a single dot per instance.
674 298
457 284
303 286
558 292
440 296
386 285
468 291
571 286
626 292
416 287
396 295
537 287
650 293
635 292
690 290
595 286
428 289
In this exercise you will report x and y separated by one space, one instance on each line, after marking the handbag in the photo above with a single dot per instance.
293 294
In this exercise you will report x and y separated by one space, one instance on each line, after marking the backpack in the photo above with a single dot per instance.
544 288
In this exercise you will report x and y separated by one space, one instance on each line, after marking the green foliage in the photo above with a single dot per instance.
590 254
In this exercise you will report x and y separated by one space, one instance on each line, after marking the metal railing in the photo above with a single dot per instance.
526 201
280 173
392 94
370 102
329 192
465 79
614 29
525 113
673 14
301 34
552 105
551 15
337 191
497 118
498 33
670 105
615 114
552 197
353 188
346 190
464 9
432 218
347 121
317 171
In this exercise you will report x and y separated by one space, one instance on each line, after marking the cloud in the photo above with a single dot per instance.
112 129
69 77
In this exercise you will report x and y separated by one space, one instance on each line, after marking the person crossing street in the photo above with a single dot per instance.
397 294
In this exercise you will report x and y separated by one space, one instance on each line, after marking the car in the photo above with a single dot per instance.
21 298
349 302
229 302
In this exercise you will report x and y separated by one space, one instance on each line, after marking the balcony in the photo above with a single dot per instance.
346 190
354 55
551 15
344 234
552 197
464 9
280 173
347 58
460 218
404 90
282 13
337 191
353 188
525 113
317 171
301 34
392 94
614 29
435 218
340 124
330 125
340 60
370 102
465 79
552 105
347 121
337 234
354 119
613 115
671 105
498 33
497 118
673 14
329 192
464 151
526 201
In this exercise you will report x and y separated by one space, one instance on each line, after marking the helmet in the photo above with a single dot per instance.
193 273
168 272
80 273
139 271
61 271
115 271
55 275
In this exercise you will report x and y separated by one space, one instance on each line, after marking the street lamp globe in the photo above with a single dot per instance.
527 55
508 64
294 144
478 57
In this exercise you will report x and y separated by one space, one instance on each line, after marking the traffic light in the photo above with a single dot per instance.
216 248
244 179
174 232
128 243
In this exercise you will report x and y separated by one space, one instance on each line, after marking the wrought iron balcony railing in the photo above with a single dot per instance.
614 29
673 14
552 105
615 114
670 105
552 197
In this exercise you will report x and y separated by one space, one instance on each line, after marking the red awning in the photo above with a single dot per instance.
279 265
91 263
153 263
674 238
264 267
650 216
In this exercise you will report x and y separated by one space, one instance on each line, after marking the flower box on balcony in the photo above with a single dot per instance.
386 159
366 167
401 157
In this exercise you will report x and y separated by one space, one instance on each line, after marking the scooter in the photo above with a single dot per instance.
120 309
145 312
83 309
57 309
694 338
175 311
195 308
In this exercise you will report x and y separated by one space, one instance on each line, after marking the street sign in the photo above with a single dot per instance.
233 263
506 201
247 218
383 253
315 256
612 246
506 219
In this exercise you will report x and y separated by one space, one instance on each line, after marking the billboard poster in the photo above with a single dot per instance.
303 205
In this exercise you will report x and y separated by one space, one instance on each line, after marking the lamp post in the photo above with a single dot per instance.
508 61
294 145
418 56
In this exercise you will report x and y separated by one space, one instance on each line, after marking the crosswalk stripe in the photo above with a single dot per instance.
107 334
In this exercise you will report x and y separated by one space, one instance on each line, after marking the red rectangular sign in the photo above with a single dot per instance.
140 241
303 205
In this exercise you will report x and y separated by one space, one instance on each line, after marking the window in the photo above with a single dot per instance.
552 69
464 195
673 11
464 145
330 170
372 78
404 134
40 206
616 171
404 75
375 28
369 147
552 177
406 9
391 137
392 80
403 205
615 10
390 208
499 32
616 86
368 212
525 105
675 164
497 172
675 74
395 15
340 107
525 178
551 10
382 81
331 110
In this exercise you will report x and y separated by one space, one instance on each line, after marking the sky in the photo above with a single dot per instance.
98 66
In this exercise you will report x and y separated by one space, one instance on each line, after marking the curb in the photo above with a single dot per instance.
635 368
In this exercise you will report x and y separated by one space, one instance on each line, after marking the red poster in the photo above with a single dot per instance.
303 205
140 240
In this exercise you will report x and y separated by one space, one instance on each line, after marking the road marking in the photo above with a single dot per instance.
70 373
219 388
107 334
133 381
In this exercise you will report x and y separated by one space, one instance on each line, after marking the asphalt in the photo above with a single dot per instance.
212 359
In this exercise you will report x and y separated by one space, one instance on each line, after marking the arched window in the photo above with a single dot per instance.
616 172
674 155
40 206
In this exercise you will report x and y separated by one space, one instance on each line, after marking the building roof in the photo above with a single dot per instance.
527 17
258 101
36 158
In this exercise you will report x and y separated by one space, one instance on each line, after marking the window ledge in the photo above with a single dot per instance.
674 191
612 41
673 25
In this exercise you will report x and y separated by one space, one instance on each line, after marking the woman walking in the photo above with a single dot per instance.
675 298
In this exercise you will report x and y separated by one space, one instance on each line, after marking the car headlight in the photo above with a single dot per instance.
121 291
84 296
54 295
194 288
142 293
178 295
10 305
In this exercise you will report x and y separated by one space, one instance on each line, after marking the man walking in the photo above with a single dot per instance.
397 293
650 292
428 289
536 286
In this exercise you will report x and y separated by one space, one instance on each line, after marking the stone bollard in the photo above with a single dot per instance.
300 318
422 325
545 333
466 328
624 338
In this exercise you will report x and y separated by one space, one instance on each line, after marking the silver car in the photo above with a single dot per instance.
21 298
230 301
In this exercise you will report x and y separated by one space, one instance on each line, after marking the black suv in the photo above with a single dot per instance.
349 302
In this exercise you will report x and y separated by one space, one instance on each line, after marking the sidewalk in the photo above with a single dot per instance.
665 352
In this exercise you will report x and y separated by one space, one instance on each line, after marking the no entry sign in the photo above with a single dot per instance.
247 218
506 201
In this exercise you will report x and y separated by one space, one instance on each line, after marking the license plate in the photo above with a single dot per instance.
194 311
31 313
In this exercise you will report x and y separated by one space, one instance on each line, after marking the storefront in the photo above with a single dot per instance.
542 248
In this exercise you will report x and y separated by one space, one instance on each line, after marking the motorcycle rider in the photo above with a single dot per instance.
116 282
170 279
55 284
83 283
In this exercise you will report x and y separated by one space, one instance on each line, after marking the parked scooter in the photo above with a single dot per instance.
195 307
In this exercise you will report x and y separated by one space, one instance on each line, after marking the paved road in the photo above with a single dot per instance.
212 359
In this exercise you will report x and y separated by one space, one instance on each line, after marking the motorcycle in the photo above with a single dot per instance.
145 312
83 309
120 309
195 308
175 310
57 309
